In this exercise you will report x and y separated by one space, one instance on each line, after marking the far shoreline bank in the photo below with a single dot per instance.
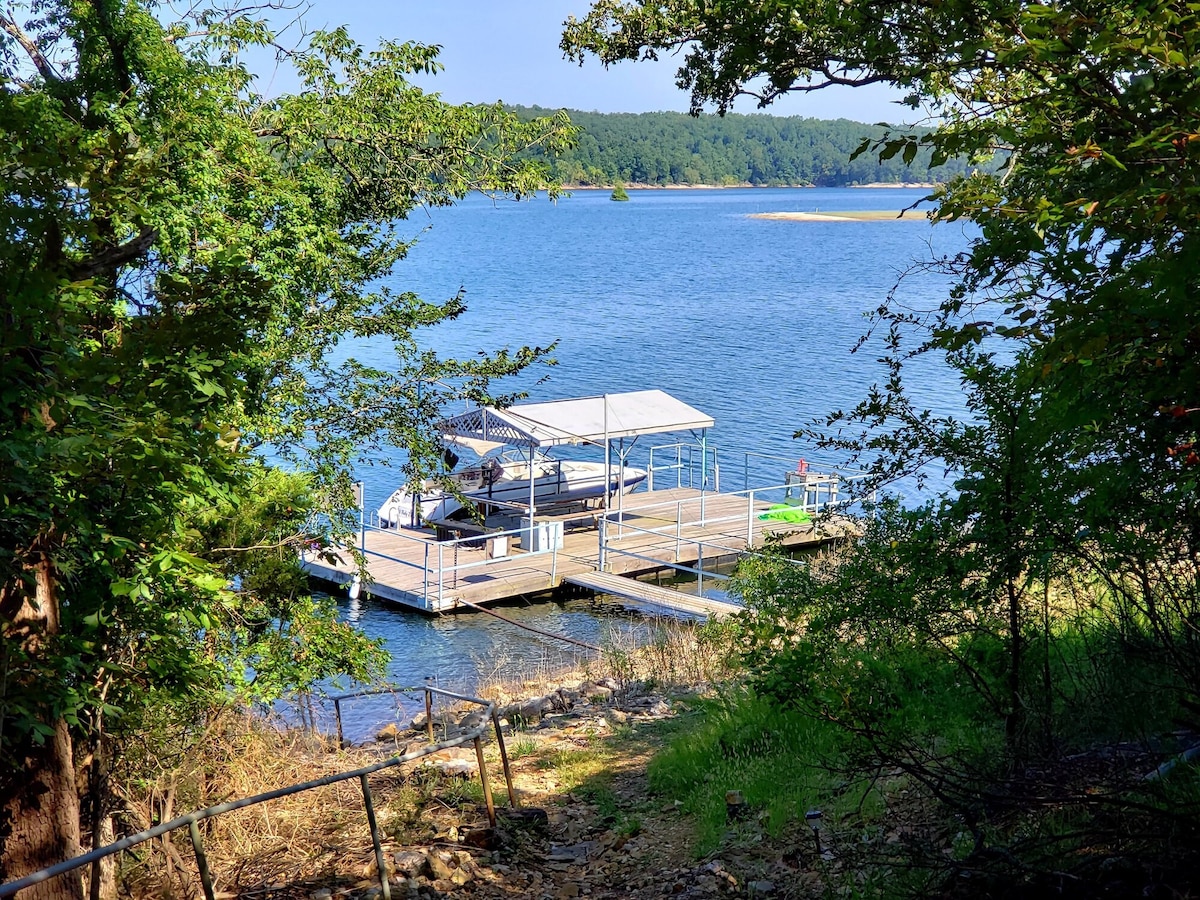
907 185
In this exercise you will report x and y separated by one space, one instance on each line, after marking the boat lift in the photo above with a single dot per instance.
598 421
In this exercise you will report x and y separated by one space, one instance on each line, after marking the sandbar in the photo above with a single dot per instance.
847 215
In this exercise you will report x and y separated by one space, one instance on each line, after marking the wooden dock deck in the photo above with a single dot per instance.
653 595
658 530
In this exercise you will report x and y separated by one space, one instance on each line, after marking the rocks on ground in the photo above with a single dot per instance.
561 845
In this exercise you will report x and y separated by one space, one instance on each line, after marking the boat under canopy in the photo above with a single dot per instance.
533 428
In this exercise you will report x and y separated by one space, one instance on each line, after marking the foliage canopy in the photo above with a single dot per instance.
182 261
1068 551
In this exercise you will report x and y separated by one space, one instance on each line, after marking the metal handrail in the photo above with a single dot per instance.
679 466
619 515
442 546
191 820
676 529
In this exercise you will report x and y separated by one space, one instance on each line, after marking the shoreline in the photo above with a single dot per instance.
876 185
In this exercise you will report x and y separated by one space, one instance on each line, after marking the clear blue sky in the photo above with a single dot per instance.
508 50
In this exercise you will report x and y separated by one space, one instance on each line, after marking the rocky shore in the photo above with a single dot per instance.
590 831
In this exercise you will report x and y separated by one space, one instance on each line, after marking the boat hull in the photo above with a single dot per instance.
556 482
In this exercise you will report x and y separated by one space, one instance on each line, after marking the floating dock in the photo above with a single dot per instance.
679 530
598 539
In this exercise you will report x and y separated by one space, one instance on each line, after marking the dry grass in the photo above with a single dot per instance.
678 656
506 681
321 832
665 654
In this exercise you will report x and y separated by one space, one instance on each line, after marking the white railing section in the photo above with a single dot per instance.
438 576
682 519
812 492
607 549
680 461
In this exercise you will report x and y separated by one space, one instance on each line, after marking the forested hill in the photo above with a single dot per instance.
664 148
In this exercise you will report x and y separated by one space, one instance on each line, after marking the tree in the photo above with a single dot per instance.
1084 270
1087 236
180 256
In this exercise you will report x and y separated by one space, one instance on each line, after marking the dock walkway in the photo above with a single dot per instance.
653 531
652 594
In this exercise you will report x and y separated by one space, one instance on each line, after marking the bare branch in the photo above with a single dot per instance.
9 24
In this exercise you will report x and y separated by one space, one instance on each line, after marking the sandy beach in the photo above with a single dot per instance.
849 215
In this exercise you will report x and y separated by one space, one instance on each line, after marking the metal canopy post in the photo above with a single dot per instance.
607 456
622 458
532 508
620 486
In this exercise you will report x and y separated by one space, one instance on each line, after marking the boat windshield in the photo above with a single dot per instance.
516 455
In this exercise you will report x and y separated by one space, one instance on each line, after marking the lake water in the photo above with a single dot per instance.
751 321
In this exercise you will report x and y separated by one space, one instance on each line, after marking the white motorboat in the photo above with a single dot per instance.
505 479
611 422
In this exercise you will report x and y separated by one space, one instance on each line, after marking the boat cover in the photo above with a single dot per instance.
577 421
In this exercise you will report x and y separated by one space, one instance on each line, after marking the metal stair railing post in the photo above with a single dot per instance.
429 713
512 794
486 782
380 863
201 860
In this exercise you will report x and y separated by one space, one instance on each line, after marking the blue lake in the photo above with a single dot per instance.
750 320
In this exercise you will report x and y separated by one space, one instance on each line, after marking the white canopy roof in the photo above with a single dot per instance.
577 421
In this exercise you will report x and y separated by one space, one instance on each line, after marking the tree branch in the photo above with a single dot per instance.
9 24
114 256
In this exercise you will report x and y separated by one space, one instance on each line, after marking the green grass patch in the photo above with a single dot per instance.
574 767
521 748
776 758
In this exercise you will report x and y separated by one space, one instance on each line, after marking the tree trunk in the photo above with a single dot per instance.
1014 723
102 875
39 806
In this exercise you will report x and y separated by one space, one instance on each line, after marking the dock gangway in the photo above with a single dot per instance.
652 594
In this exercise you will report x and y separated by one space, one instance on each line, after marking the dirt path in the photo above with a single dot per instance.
587 824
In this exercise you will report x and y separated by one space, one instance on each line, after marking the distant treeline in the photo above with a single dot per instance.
673 148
